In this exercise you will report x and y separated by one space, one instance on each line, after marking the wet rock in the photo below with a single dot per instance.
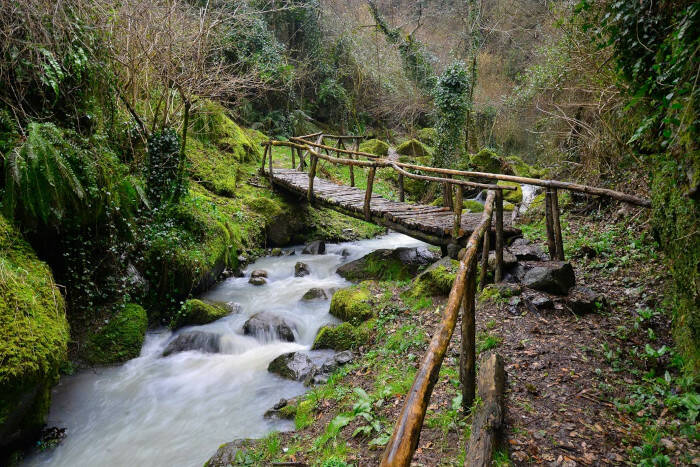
201 341
523 250
301 269
317 247
385 264
257 281
266 324
315 293
345 253
509 260
453 250
292 365
226 454
276 252
437 279
541 302
258 273
555 277
583 300
197 312
352 304
291 253
234 307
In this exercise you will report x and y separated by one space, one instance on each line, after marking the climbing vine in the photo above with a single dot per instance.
451 97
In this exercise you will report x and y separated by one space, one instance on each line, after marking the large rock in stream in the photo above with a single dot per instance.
385 264
207 342
268 325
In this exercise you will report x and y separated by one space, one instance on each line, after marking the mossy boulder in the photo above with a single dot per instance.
387 265
375 146
427 136
488 161
352 304
120 339
197 312
437 279
512 196
33 338
413 148
344 336
211 124
522 169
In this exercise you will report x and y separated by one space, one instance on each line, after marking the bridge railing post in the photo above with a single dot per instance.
498 270
355 147
458 213
485 254
368 192
551 241
269 154
402 196
467 354
558 241
312 174
264 158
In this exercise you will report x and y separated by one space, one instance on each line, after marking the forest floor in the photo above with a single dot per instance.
602 388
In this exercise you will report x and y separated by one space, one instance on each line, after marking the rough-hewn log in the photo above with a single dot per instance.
404 440
458 212
498 270
312 135
312 174
467 354
402 196
291 150
485 256
368 193
269 153
488 419
551 241
428 178
355 147
344 151
558 240
264 158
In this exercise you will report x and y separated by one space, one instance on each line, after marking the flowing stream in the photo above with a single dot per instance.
177 410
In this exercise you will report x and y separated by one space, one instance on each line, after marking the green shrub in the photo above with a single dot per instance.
427 136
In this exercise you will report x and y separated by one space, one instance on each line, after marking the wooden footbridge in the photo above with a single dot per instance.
440 226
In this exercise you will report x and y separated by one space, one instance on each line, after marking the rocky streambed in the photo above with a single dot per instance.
200 386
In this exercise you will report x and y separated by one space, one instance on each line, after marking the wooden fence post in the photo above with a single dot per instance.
292 149
312 174
551 242
485 256
264 158
447 194
558 240
269 153
402 196
355 147
368 193
458 213
498 272
467 355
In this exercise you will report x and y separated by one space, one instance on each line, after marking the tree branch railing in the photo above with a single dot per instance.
404 440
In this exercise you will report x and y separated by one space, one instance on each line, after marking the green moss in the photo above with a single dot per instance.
196 312
352 304
675 217
487 161
512 196
436 280
120 339
427 136
473 206
413 148
33 336
375 146
521 169
508 206
344 336
211 125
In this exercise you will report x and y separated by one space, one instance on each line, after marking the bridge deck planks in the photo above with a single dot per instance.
431 223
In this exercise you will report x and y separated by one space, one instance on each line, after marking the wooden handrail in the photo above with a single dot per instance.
331 148
404 439
453 181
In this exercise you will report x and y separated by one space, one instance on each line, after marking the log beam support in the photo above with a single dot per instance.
368 193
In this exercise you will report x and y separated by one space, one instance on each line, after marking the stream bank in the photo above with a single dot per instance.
152 407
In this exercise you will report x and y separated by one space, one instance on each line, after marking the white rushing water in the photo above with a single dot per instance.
177 410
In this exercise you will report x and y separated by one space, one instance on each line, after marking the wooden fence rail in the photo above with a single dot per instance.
404 441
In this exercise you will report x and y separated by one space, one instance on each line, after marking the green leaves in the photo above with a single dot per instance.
451 96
